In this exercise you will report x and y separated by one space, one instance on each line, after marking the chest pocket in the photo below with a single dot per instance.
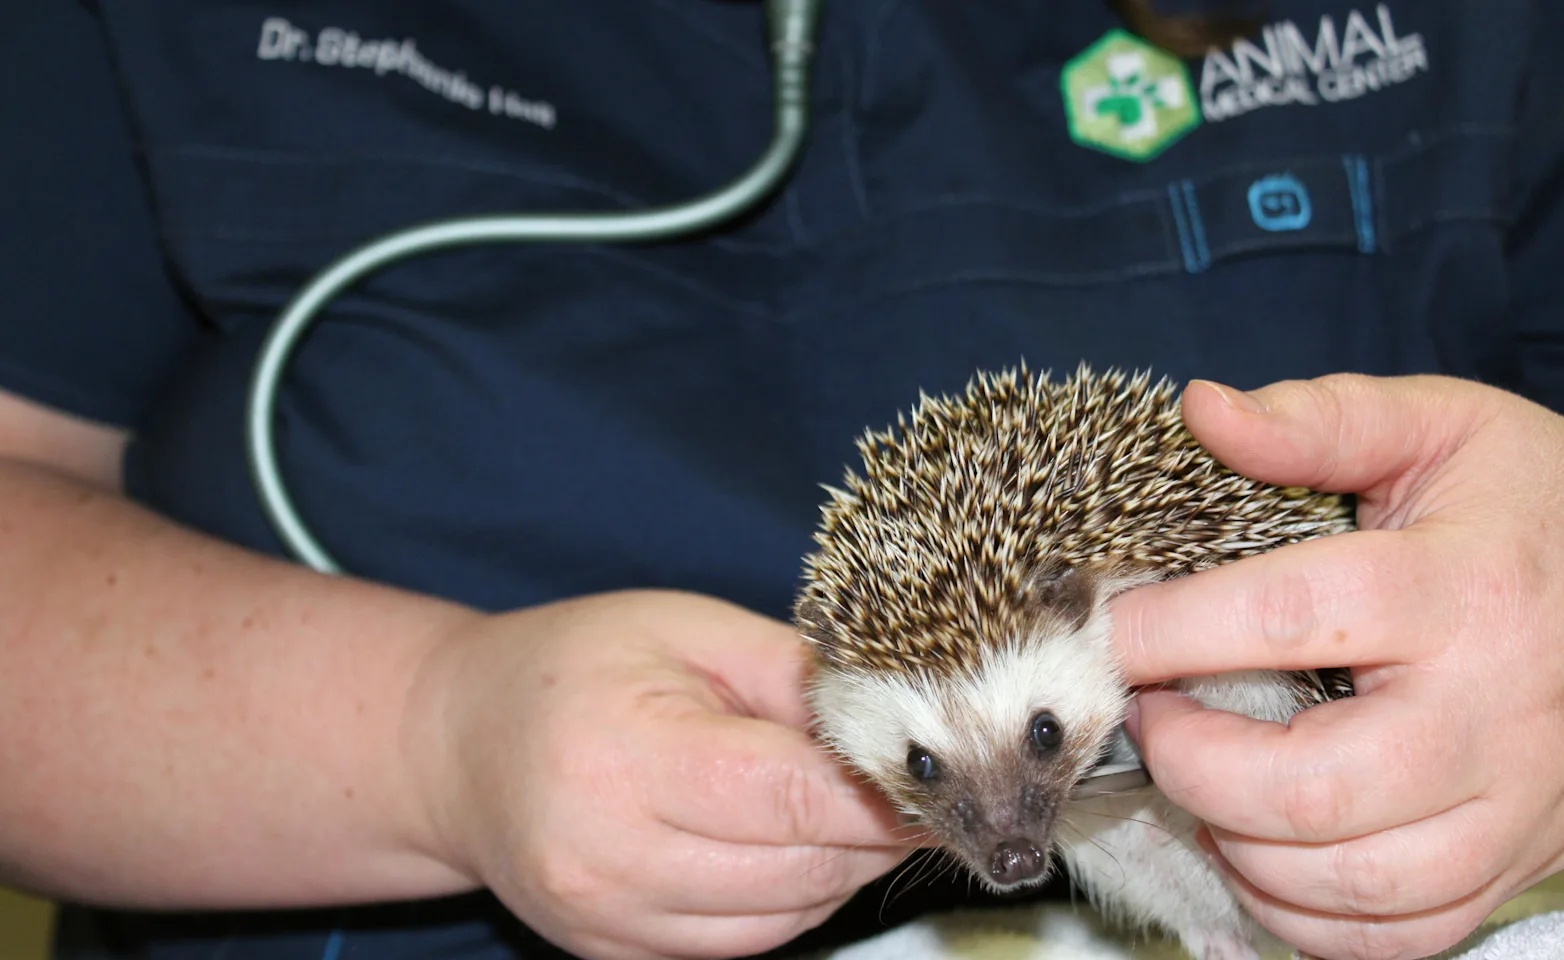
1328 194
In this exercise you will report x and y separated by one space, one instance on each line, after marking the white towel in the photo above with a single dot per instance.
1534 938
1061 932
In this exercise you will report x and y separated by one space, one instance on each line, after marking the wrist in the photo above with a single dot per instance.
430 742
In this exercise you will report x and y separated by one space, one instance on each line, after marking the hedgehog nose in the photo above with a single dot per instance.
1015 861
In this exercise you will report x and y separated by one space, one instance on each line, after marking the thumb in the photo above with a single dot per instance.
1344 433
756 665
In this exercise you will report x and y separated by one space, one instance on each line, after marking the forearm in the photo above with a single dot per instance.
186 723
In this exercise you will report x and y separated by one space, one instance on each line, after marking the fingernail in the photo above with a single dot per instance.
1132 721
1237 399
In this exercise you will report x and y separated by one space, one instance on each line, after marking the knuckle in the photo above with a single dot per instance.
1327 400
798 802
1335 388
1408 940
1315 805
1364 880
1519 568
1405 939
1335 394
560 875
831 874
1377 941
1134 630
1285 608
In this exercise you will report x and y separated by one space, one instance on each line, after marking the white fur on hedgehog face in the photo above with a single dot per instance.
978 729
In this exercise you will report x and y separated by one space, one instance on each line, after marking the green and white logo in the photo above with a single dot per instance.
1126 97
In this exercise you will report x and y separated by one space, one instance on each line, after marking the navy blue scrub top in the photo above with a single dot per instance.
1363 187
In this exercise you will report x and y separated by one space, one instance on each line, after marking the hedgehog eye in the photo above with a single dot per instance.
1047 733
920 763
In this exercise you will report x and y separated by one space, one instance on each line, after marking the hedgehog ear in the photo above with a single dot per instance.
1063 593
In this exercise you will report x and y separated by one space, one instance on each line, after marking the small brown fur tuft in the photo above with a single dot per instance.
1184 35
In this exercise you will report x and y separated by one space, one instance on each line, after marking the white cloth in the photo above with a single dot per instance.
1535 938
1061 932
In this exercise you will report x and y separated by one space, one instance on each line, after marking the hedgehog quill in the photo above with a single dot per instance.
957 613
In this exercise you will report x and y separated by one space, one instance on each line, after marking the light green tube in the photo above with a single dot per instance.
792 25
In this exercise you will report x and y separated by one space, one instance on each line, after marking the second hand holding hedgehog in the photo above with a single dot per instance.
1390 825
939 551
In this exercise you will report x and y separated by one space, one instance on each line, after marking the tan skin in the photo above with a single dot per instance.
186 724
1388 826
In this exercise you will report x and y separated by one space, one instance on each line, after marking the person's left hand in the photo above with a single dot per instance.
1386 826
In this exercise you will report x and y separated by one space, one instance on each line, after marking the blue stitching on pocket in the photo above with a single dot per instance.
1197 224
1362 200
1190 263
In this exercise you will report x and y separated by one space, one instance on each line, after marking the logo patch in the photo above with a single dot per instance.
1128 98
1332 60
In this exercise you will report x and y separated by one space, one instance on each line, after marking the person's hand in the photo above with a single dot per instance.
1389 825
631 775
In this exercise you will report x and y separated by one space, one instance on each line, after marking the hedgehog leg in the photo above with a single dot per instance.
1135 857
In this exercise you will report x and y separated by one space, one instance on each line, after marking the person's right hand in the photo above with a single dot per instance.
631 775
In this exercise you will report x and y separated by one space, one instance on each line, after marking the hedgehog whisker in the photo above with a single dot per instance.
1172 793
859 846
835 857
890 888
950 866
919 832
914 868
892 894
1123 877
1111 816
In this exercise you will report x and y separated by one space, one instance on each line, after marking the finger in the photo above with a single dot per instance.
760 670
1402 937
1415 868
697 937
1339 770
756 665
741 780
1321 603
694 875
1342 432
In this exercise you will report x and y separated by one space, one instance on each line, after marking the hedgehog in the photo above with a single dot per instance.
956 613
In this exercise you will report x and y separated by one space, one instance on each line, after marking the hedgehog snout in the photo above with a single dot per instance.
1003 832
1016 861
